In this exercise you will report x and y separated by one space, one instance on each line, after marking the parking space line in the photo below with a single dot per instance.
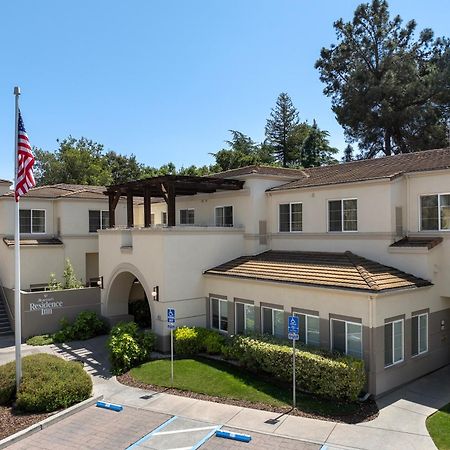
186 430
202 441
149 435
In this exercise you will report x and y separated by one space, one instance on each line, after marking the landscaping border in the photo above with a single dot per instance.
49 421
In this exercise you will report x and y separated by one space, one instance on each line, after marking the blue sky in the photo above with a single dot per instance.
166 79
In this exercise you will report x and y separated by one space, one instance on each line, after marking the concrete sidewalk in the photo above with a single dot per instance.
400 425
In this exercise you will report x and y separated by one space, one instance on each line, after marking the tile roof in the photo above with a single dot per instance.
62 190
33 242
388 167
319 269
261 170
428 242
5 181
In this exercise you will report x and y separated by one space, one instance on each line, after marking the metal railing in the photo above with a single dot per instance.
5 301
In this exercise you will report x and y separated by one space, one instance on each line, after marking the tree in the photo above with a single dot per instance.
123 168
70 279
280 130
389 91
348 154
316 150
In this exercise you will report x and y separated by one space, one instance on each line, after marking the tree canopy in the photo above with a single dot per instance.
390 90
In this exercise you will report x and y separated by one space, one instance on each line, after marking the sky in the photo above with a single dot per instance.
167 79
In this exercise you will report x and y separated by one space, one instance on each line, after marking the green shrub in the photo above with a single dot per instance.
48 383
213 342
86 326
187 341
129 347
70 278
338 377
43 339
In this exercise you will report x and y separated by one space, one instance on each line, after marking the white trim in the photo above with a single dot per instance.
101 211
31 220
418 334
347 322
439 212
232 215
187 210
273 321
342 215
307 316
219 310
393 363
290 217
245 316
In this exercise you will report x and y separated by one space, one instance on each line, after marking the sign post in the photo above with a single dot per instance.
171 325
293 329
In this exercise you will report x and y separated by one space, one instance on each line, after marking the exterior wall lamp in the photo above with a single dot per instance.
155 293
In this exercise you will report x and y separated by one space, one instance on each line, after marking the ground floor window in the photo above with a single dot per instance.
393 342
309 333
273 321
419 329
346 337
219 314
245 318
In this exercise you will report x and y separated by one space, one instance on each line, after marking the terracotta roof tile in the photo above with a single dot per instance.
62 190
388 167
33 242
261 170
320 269
428 242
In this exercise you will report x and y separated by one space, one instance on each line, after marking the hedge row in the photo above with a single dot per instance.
317 371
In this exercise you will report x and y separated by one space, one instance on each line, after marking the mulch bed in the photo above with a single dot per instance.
12 422
366 411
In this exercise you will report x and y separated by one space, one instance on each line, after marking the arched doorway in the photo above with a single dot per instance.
127 299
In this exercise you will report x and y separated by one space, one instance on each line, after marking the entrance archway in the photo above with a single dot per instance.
127 299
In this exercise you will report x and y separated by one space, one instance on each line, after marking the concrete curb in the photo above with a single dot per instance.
49 421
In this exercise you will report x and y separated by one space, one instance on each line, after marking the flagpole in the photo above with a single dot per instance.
17 302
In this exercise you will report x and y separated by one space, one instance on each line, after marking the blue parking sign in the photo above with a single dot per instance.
171 315
293 327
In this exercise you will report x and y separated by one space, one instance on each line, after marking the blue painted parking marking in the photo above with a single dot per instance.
149 435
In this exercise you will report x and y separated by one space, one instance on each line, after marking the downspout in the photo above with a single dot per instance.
372 366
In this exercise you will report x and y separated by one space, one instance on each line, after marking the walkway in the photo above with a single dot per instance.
401 423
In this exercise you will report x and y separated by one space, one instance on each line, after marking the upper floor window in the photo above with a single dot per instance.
435 212
346 337
290 217
98 220
187 216
419 329
343 215
32 220
219 314
164 218
393 342
309 333
224 216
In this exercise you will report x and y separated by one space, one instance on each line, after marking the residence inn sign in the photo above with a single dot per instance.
46 305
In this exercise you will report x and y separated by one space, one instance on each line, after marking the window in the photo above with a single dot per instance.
219 314
309 333
224 216
273 321
343 215
393 342
245 318
435 212
32 220
164 218
152 218
186 216
346 337
290 217
419 325
98 220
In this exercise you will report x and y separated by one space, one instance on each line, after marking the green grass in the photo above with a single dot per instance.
438 426
220 379
44 339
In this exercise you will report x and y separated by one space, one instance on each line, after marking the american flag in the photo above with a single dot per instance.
25 179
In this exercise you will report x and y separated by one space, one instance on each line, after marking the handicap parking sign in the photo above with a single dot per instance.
293 327
171 315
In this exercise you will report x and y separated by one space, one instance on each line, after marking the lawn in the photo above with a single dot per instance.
438 426
220 379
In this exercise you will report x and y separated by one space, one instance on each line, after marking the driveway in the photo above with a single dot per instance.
400 424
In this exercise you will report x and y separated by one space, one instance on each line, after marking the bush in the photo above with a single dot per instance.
214 343
43 339
129 347
48 383
86 326
338 377
194 340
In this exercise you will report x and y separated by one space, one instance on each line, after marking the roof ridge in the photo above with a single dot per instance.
366 276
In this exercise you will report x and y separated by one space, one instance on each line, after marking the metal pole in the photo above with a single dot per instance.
17 306
293 374
171 356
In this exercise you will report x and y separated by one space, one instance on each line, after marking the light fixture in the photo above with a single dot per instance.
155 293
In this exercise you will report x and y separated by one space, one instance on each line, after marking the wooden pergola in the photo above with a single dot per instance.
167 187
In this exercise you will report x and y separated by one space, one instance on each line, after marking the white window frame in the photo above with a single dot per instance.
346 334
273 319
290 217
444 230
232 216
245 316
393 343
187 210
101 218
342 215
306 324
31 220
220 300
418 333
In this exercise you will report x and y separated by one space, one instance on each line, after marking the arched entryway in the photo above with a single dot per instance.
127 299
